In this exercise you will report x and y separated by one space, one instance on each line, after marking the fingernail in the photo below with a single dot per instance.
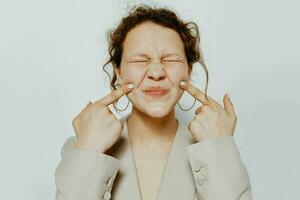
130 86
227 94
182 83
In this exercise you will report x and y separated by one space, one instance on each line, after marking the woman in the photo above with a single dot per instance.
148 154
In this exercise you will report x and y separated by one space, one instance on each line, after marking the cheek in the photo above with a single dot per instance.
132 75
177 74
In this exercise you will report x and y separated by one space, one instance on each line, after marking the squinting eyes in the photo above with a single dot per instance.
139 61
146 61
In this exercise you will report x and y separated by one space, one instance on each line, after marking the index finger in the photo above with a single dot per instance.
196 92
115 95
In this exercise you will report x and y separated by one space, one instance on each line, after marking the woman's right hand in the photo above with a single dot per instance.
95 126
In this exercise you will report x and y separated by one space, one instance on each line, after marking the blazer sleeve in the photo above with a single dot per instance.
84 174
218 170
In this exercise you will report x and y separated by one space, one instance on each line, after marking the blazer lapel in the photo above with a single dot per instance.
126 185
177 180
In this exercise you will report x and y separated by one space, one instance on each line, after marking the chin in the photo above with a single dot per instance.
155 111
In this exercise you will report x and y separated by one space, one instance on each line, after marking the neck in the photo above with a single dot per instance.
144 129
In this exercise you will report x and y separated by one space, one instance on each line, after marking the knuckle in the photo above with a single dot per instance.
192 125
189 126
75 122
235 118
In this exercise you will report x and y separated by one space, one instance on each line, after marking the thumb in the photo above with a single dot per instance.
228 105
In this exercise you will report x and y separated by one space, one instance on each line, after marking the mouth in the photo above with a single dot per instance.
156 92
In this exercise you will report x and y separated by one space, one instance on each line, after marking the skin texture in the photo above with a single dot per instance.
153 55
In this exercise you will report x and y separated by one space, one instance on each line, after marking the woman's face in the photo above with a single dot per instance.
153 56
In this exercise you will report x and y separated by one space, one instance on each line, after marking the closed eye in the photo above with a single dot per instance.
139 61
171 61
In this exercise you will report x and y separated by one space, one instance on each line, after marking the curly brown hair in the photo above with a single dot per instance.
188 32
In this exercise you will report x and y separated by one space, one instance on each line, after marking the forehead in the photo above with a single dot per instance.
149 37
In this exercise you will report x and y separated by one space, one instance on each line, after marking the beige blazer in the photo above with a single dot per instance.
208 170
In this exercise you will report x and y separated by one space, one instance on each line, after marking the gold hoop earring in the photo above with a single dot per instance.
118 101
119 109
189 108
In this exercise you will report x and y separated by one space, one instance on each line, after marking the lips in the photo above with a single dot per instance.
156 91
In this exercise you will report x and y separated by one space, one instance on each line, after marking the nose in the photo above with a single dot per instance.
156 71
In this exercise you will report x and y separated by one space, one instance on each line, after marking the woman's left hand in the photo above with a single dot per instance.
211 119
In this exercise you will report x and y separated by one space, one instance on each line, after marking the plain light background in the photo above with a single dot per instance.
51 57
